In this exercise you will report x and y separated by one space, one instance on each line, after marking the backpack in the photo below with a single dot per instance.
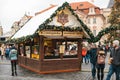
101 59
84 52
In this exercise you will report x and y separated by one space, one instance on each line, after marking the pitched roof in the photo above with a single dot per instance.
39 20
51 6
84 7
30 27
81 5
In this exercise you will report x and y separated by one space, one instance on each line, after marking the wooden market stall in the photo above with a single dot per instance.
54 44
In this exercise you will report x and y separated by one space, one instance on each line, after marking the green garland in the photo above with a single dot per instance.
59 28
103 32
23 39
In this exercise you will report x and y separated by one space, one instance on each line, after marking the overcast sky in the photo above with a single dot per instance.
13 10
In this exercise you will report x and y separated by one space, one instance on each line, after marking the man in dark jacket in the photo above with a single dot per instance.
115 59
110 71
93 59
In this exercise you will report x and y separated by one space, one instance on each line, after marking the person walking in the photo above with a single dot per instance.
93 59
100 63
13 58
110 71
88 55
7 51
2 51
84 51
115 59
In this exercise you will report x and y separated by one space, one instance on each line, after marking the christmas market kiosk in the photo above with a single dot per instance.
51 41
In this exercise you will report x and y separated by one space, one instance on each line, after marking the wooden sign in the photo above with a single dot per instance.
72 34
50 33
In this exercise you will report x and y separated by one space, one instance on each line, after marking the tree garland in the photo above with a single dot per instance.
103 32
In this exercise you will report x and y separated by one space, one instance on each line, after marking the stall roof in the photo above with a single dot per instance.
30 27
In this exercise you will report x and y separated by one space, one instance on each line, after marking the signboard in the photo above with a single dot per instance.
62 33
72 34
50 33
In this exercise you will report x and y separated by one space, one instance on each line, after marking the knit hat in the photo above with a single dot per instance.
116 42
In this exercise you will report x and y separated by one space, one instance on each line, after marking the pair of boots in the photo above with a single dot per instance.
100 77
14 73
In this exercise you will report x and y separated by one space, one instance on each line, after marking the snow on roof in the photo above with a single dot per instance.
32 25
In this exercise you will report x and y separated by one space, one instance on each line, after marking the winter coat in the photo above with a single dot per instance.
116 56
7 51
13 54
101 53
93 55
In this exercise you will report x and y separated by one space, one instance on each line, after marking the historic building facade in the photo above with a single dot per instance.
91 15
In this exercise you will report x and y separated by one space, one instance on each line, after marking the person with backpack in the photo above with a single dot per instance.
100 63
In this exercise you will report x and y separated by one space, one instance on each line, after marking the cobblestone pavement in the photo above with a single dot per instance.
24 74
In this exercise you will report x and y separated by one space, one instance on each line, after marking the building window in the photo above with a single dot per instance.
81 4
91 10
94 32
88 20
94 20
55 48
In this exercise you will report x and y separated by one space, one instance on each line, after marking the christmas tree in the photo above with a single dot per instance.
114 19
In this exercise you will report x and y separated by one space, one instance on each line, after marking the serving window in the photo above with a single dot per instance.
60 48
71 49
27 51
22 50
35 49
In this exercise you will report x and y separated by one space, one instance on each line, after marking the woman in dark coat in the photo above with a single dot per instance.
100 63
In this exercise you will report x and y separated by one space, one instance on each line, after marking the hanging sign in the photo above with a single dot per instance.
50 33
72 34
